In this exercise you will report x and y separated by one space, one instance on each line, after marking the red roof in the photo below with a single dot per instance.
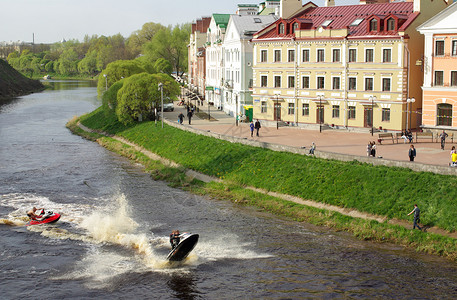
344 16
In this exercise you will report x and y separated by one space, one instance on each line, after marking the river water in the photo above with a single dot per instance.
111 241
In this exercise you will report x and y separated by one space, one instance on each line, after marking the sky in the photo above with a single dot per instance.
53 20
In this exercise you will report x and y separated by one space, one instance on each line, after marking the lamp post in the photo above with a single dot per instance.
106 81
161 99
320 98
236 110
372 99
276 111
408 101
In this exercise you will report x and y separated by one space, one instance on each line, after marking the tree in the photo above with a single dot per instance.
115 71
88 65
163 66
170 44
140 37
68 62
140 94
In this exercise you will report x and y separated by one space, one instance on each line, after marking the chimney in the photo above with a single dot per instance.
289 7
329 3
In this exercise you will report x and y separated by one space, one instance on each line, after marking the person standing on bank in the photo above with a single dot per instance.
251 126
189 115
412 153
416 212
257 127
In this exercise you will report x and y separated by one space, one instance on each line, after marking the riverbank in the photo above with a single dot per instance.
14 84
239 166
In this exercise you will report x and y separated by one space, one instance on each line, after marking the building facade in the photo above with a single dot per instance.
238 54
342 66
439 65
196 76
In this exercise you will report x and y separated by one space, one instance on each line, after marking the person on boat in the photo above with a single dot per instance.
174 239
32 213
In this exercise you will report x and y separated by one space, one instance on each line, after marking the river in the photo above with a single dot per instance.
112 239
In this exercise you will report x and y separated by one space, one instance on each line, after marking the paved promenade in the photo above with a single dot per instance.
329 140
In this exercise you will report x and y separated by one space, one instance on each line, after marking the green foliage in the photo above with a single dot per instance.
163 66
109 98
116 71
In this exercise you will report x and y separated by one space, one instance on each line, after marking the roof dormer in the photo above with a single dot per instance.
375 24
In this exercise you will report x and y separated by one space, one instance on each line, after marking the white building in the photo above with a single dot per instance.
238 58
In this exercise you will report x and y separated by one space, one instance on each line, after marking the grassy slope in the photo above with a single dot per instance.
12 83
375 189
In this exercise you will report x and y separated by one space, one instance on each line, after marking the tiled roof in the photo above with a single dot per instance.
344 16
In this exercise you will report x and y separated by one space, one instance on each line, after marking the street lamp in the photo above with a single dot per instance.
276 111
408 101
106 81
320 98
161 99
372 99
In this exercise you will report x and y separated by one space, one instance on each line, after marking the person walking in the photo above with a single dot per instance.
443 137
416 212
373 149
412 153
369 149
257 127
180 118
189 115
251 126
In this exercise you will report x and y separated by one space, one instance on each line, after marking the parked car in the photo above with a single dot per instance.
168 106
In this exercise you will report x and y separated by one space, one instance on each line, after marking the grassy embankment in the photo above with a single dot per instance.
13 83
378 190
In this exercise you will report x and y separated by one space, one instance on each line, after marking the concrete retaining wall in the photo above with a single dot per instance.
418 167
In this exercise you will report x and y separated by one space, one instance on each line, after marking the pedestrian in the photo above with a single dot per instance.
416 212
189 115
257 127
369 149
453 157
251 126
180 118
312 148
443 137
409 135
373 149
411 153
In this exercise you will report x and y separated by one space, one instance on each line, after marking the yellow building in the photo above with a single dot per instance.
344 66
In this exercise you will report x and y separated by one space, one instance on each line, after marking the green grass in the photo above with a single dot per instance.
379 190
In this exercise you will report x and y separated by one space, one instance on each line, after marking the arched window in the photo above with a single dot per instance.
281 28
374 25
294 27
444 114
391 24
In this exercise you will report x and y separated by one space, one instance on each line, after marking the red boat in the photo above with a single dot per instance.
48 217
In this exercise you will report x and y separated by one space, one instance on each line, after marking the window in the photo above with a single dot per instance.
454 48
391 24
281 28
277 81
320 55
352 55
351 112
294 27
356 22
257 20
291 81
385 115
326 23
336 111
263 81
320 82
291 55
453 78
277 55
444 114
305 55
386 85
336 55
369 55
386 55
439 78
305 109
352 83
336 83
291 109
305 82
368 84
439 48
263 107
374 25
263 55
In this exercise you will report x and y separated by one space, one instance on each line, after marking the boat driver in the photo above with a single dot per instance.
32 213
174 239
